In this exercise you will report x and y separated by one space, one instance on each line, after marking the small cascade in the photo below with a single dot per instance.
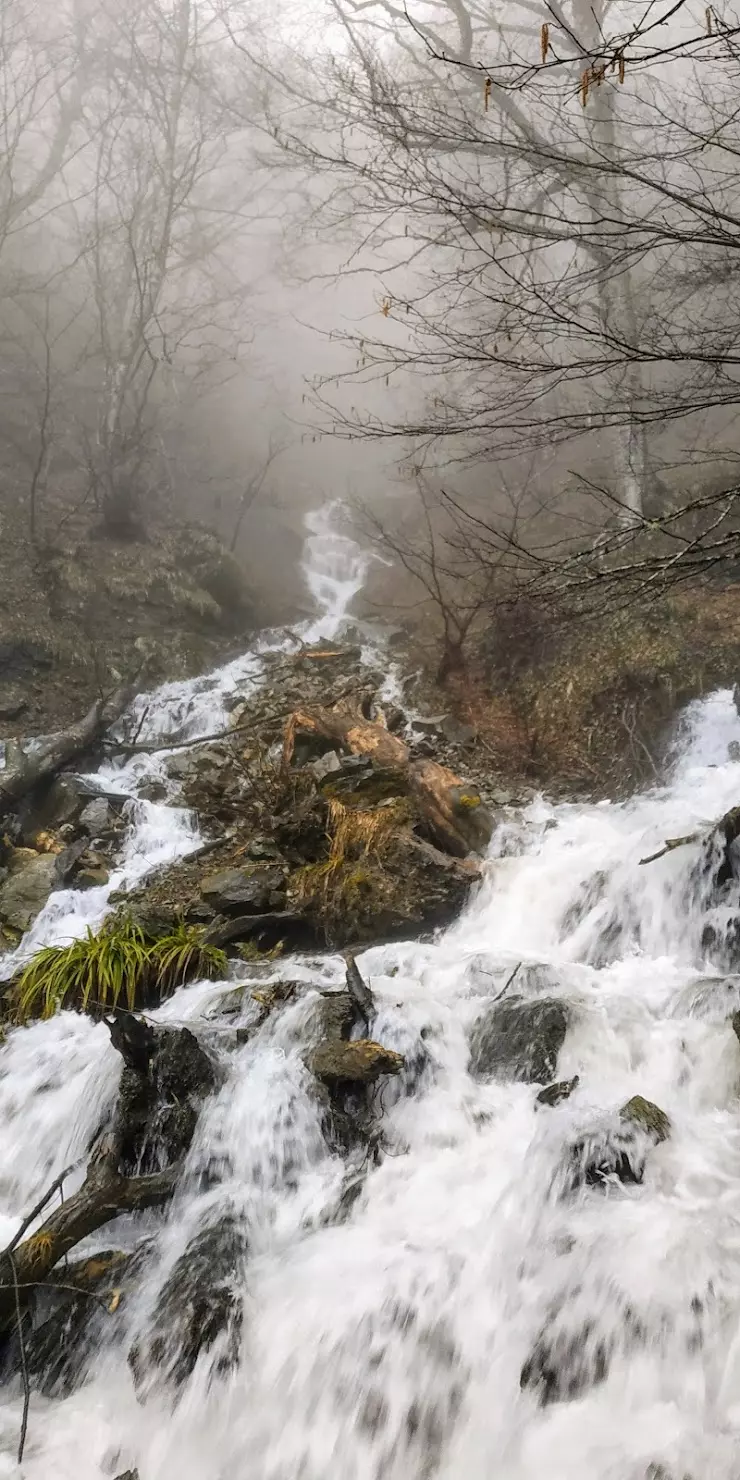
493 1296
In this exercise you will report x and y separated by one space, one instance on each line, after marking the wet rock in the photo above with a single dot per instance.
566 1363
337 1016
197 761
77 1312
575 1347
326 765
284 928
272 997
80 867
199 1308
152 791
648 1117
23 894
260 848
335 1062
372 897
430 724
91 878
518 1040
216 571
252 890
554 1094
157 1108
96 817
618 1151
22 658
58 803
359 780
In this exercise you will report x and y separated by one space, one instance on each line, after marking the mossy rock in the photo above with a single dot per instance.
648 1117
337 1062
409 886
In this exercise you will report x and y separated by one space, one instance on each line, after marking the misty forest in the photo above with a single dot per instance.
369 740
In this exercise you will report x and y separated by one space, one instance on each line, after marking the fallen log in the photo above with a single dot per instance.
26 769
165 1077
103 1196
348 728
451 812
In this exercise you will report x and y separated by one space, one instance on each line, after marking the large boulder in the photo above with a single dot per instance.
408 886
30 880
519 1040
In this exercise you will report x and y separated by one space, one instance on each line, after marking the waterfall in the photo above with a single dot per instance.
390 1343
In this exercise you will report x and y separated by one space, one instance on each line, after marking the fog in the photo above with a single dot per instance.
252 259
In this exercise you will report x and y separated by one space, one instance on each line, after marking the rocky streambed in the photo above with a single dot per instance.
423 1152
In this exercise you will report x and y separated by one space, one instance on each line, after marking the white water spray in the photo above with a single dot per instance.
389 1346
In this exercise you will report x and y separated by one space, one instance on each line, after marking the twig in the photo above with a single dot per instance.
141 723
24 1364
507 984
251 724
670 844
41 1204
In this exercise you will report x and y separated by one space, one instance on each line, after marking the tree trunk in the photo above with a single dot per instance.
161 1066
23 771
451 812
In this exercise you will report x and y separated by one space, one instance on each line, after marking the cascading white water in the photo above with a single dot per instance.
334 567
389 1346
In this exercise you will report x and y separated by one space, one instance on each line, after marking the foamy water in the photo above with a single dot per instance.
390 1346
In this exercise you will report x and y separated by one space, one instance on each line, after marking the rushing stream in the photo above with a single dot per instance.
389 1346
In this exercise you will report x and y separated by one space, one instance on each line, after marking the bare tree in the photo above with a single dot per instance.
152 213
254 487
557 198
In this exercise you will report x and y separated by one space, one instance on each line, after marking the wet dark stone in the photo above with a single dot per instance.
157 1110
573 1351
518 1040
554 1094
198 1306
618 1152
338 1015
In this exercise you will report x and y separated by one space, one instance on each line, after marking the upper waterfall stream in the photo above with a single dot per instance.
389 1346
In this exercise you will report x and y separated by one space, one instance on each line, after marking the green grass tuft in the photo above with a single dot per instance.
118 965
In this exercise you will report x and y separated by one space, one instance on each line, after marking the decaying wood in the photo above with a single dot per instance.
108 1190
103 1195
348 728
452 812
24 770
669 846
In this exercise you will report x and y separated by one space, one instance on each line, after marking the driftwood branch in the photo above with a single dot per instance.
154 747
152 1055
669 846
24 770
103 1195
